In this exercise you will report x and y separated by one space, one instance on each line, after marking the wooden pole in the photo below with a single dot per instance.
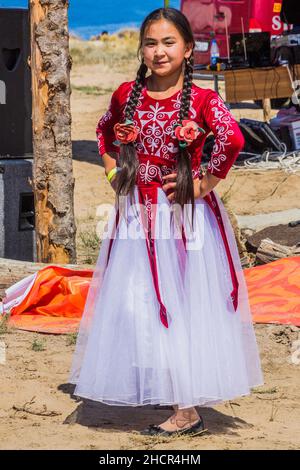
53 182
267 109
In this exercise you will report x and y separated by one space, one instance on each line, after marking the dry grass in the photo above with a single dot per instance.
88 246
38 344
4 327
116 51
93 90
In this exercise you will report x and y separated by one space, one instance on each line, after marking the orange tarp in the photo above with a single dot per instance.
55 302
274 291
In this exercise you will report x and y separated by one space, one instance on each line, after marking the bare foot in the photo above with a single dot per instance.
181 420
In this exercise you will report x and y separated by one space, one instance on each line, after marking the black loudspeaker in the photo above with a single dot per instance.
15 84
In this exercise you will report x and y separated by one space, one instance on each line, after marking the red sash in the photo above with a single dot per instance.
149 179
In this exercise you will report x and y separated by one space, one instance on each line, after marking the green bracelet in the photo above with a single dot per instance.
112 172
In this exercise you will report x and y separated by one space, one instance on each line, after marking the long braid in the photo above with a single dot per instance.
187 88
128 158
185 187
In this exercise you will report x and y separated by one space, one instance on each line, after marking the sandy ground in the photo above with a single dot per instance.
37 409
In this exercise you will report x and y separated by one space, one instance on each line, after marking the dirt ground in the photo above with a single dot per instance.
37 409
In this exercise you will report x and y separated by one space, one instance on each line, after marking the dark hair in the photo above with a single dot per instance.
128 159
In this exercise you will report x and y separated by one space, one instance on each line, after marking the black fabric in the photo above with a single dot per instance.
290 11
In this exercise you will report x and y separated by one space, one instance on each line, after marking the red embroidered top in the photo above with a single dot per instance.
157 147
155 119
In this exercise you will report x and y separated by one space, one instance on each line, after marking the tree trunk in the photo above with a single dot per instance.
53 182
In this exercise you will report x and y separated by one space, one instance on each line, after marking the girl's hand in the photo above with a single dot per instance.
200 189
170 183
202 186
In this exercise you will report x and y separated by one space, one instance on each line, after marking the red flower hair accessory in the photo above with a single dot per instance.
125 132
187 132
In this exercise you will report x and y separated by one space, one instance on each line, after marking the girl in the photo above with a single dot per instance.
167 318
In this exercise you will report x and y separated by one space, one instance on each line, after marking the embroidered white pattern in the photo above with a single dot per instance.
148 172
103 121
108 116
148 206
223 121
155 124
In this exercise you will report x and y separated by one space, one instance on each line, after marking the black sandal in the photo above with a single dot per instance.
154 430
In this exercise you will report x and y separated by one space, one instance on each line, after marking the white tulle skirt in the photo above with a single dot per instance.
124 355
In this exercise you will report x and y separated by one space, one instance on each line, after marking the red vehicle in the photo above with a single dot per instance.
207 16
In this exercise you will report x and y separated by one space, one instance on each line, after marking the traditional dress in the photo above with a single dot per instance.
167 317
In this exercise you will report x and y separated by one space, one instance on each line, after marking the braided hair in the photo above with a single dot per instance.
184 182
128 159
